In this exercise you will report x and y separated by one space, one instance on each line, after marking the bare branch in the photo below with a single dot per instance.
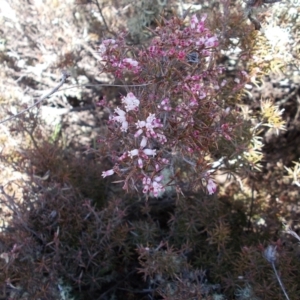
104 21
63 79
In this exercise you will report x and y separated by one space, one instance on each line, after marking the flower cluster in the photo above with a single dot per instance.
108 51
147 129
174 116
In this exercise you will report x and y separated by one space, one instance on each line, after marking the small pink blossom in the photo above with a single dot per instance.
223 83
200 41
161 138
131 62
193 102
153 187
138 133
150 119
165 101
202 94
146 180
165 161
225 131
198 25
245 74
205 53
150 124
211 186
133 153
211 42
130 102
164 104
158 178
108 173
156 188
140 124
140 163
121 118
194 21
146 189
120 112
227 110
181 55
128 64
203 18
123 156
143 143
124 126
190 150
102 49
150 152
106 43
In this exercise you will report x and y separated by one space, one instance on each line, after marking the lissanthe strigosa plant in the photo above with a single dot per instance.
174 114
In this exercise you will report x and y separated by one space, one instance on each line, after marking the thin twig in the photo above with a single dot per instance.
291 232
104 85
251 206
104 21
271 256
63 79
280 282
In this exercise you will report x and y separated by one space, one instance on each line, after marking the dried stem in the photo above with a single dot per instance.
280 282
63 79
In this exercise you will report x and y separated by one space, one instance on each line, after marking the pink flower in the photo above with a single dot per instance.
158 178
194 21
165 104
200 26
165 101
108 173
211 42
150 123
130 102
133 153
211 186
120 112
200 41
102 49
124 126
143 143
225 131
146 180
109 42
150 152
121 118
150 119
223 83
181 55
161 138
140 163
140 124
128 64
154 186
131 62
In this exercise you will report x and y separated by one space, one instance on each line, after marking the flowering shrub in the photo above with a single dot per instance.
183 115
176 114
